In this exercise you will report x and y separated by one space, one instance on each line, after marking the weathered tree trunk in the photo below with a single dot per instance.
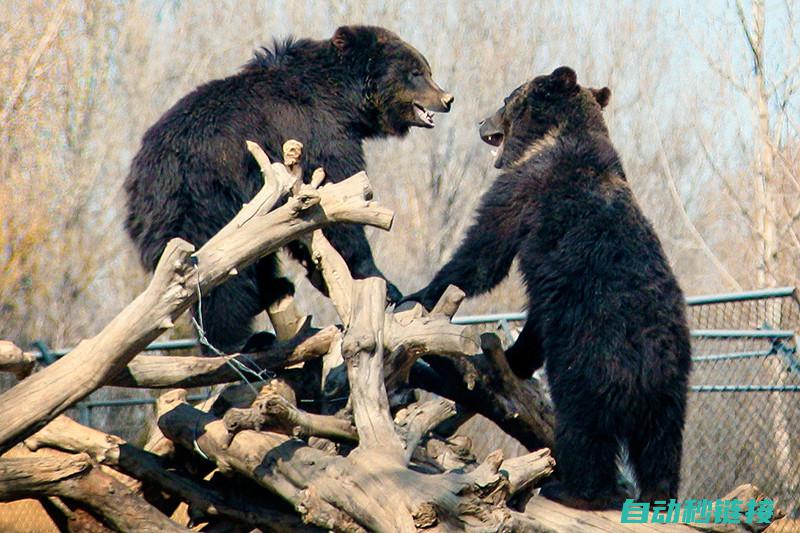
77 478
180 275
65 434
153 371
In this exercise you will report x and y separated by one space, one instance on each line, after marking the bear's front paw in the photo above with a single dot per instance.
259 342
523 363
393 294
422 297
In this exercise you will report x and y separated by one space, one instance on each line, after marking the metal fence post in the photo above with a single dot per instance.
85 413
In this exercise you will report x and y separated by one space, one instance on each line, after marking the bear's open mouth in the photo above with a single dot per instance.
496 139
424 116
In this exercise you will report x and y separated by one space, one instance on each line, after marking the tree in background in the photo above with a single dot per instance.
703 111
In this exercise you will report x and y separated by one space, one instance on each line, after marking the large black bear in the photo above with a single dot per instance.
193 171
605 313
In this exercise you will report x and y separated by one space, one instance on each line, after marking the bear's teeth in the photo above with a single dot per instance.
424 115
493 152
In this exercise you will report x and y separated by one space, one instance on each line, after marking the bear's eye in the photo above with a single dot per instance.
416 73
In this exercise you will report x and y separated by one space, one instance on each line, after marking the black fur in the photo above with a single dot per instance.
193 171
606 314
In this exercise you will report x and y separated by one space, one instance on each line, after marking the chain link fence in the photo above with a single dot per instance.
743 420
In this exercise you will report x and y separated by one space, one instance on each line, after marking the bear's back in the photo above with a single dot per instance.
193 171
592 260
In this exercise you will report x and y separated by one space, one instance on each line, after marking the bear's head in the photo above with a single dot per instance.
534 116
399 91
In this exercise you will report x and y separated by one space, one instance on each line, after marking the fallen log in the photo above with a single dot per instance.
312 480
154 371
65 434
76 477
275 409
485 384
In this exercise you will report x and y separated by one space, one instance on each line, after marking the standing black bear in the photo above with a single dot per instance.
605 314
193 171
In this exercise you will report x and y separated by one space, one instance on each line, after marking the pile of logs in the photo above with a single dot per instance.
365 452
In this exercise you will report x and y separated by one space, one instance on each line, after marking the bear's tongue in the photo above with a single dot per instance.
424 115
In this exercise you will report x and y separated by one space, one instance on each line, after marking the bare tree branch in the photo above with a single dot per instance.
49 33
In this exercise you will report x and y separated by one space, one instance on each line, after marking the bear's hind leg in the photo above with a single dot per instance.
525 356
228 312
586 459
272 287
655 444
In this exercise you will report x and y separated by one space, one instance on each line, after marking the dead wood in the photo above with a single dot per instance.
281 464
70 517
15 361
543 515
76 477
313 481
419 418
743 493
180 275
152 371
485 384
275 409
395 473
341 492
286 318
65 434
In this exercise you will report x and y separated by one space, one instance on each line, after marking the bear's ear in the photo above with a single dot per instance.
564 79
349 38
602 96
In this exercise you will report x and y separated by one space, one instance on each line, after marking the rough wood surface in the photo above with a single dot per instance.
275 409
744 493
419 418
313 481
15 361
277 462
154 371
255 232
485 384
361 470
76 477
286 318
362 348
65 434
